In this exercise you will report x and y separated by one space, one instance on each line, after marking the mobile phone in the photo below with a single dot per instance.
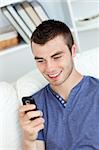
29 100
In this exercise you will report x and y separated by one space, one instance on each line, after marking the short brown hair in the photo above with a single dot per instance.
49 29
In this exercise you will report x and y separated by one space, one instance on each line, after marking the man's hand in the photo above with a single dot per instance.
30 127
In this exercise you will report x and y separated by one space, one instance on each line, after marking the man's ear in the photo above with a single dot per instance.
73 50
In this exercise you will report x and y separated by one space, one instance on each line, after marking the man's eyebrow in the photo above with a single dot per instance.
36 58
57 53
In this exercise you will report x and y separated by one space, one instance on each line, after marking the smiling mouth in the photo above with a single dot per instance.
54 75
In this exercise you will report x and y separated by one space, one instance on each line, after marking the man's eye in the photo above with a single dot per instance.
57 57
40 61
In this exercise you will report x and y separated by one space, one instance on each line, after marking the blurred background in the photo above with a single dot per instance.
17 25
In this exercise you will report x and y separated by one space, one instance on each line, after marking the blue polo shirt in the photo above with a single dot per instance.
73 125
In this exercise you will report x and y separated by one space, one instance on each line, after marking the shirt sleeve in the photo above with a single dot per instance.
41 135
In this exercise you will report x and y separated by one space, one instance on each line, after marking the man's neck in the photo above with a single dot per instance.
64 89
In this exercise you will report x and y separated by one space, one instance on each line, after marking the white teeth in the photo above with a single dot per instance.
54 75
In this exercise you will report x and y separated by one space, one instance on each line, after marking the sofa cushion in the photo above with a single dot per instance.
30 83
10 131
87 62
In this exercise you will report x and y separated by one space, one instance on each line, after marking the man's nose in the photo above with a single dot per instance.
50 66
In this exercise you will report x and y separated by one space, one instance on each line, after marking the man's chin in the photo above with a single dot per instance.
56 83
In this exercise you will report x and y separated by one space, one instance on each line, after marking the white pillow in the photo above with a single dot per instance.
30 83
87 62
10 131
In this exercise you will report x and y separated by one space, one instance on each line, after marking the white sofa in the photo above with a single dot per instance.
10 97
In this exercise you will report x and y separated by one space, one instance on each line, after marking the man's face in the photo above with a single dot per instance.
54 60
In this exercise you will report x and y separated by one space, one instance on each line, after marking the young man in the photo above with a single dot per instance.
68 115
